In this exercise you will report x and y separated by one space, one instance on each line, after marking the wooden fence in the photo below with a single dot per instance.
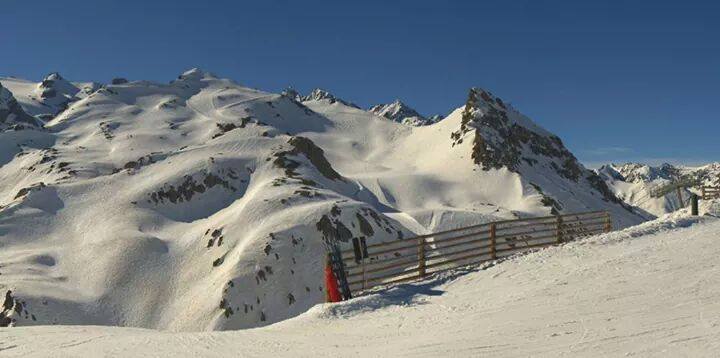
413 258
710 192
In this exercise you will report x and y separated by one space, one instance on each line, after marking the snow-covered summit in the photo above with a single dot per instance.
47 98
55 91
320 94
637 184
196 74
400 112
293 94
637 172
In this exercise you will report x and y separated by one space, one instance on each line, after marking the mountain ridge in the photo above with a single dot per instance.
400 112
636 184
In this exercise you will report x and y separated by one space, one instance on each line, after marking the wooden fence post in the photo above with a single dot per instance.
559 229
364 279
608 222
493 244
680 197
421 257
703 193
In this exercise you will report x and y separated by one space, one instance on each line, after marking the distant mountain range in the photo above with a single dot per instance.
636 183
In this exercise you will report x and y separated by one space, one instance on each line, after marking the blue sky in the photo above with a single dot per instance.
616 80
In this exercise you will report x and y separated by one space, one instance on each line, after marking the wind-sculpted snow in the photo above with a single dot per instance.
205 205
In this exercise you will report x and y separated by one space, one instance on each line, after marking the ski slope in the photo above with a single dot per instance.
650 290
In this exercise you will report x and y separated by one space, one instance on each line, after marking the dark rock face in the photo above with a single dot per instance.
500 142
292 94
141 162
601 186
13 309
118 81
189 187
635 172
333 230
227 127
398 111
106 128
12 115
365 226
25 191
554 205
306 147
320 94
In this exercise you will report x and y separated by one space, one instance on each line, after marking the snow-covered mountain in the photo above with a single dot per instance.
319 94
203 204
11 113
639 184
52 95
400 112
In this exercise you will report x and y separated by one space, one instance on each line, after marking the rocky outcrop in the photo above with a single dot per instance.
398 111
319 94
12 115
306 147
503 138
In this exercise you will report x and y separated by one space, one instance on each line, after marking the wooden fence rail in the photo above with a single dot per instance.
413 258
710 192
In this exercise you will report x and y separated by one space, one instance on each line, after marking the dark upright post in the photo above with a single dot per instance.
695 210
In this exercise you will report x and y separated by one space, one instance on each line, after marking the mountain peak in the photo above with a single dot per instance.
488 97
638 172
54 85
400 112
54 80
292 93
53 76
320 94
195 74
